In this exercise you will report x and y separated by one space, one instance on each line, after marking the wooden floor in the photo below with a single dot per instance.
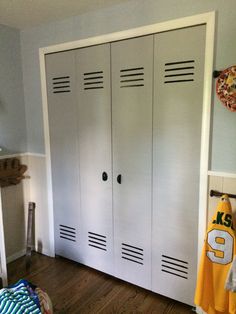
74 289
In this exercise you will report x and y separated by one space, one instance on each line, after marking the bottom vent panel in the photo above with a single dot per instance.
174 266
132 253
97 241
67 233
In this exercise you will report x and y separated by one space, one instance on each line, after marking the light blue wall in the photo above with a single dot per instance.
124 16
12 109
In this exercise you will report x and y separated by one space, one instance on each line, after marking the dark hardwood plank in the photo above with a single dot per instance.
77 289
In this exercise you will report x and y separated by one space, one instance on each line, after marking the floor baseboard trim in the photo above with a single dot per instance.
15 256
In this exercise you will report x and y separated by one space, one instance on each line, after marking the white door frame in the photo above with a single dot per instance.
209 20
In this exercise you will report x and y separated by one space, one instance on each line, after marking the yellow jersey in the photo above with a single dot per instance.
217 256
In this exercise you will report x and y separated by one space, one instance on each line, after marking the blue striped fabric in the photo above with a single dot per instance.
17 300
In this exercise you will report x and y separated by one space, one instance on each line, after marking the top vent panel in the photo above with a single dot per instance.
132 77
93 80
179 71
61 84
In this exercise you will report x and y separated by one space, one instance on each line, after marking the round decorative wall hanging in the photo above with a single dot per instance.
226 87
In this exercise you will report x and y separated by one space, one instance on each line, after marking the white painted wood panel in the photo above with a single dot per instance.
178 107
132 70
94 135
64 152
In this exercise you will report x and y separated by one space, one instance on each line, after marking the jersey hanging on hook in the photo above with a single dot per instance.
217 256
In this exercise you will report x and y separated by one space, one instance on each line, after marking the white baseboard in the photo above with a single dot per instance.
199 310
15 256
21 253
46 252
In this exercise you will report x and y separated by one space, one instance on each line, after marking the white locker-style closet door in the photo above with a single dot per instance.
60 71
94 120
178 98
132 63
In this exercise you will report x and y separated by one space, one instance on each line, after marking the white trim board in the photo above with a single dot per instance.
222 174
22 155
205 135
209 20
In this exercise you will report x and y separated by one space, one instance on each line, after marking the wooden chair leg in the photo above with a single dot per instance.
30 235
3 261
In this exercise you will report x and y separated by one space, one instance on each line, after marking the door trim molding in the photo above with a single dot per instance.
209 20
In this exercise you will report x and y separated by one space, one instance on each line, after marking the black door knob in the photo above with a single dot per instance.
104 176
119 178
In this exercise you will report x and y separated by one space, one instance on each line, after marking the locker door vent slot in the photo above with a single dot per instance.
174 266
133 77
97 241
93 80
61 84
179 72
132 253
67 233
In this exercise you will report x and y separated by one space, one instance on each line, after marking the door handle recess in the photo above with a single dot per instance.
104 176
119 178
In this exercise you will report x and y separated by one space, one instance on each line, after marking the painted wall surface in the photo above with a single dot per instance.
133 14
12 108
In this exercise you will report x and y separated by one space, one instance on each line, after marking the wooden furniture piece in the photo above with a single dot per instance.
11 171
30 234
3 262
